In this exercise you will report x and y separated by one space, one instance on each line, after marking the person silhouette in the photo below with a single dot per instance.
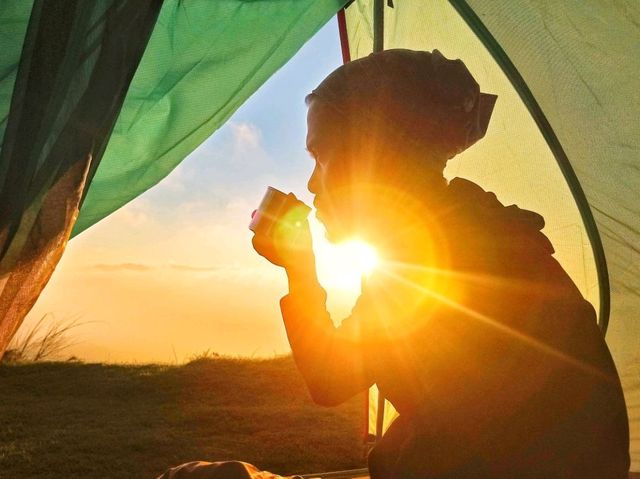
470 327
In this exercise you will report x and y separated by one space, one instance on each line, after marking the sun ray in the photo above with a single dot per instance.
468 278
500 327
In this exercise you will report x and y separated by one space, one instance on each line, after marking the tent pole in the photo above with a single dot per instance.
344 37
380 416
378 25
378 46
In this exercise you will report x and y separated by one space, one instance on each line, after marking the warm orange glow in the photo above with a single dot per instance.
498 327
343 265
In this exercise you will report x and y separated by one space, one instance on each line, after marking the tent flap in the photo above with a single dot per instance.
77 61
203 61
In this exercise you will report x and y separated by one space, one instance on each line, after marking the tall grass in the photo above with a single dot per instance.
43 341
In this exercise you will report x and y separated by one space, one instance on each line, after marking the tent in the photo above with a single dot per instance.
101 100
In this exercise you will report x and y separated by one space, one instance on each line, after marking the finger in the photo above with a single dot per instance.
258 241
264 247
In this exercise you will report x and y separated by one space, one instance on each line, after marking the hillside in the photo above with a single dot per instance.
68 420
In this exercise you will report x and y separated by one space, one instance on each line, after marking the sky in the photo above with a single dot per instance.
172 274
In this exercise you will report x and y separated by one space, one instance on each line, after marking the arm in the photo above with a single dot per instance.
330 359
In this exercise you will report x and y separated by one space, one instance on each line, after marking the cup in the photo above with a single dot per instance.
278 211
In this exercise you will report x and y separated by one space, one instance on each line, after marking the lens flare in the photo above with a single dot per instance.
359 256
343 265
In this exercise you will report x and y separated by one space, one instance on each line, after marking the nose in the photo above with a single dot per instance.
314 181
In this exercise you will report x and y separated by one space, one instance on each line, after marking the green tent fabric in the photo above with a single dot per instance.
14 18
564 139
77 60
204 59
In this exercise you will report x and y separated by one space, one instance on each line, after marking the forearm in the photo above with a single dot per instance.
330 360
302 277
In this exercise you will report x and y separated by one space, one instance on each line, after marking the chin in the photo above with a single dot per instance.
337 230
334 234
337 235
334 238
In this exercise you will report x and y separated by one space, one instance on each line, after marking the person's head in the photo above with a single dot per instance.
381 130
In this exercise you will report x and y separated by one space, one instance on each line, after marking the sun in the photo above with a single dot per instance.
357 256
343 265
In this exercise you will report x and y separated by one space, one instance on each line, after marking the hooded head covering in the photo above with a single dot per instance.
421 96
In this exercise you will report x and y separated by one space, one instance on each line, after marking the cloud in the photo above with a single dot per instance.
133 267
144 268
198 269
135 213
246 136
247 148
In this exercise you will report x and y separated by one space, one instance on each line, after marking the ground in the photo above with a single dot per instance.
68 420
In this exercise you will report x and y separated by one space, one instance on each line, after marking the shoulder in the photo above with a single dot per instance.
480 218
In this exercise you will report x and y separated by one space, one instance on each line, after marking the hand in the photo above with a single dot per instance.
288 246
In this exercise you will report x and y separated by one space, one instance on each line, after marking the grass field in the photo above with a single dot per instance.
75 420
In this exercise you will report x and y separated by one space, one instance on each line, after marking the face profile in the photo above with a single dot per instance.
333 177
381 139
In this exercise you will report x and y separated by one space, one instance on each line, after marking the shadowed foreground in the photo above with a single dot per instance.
64 420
